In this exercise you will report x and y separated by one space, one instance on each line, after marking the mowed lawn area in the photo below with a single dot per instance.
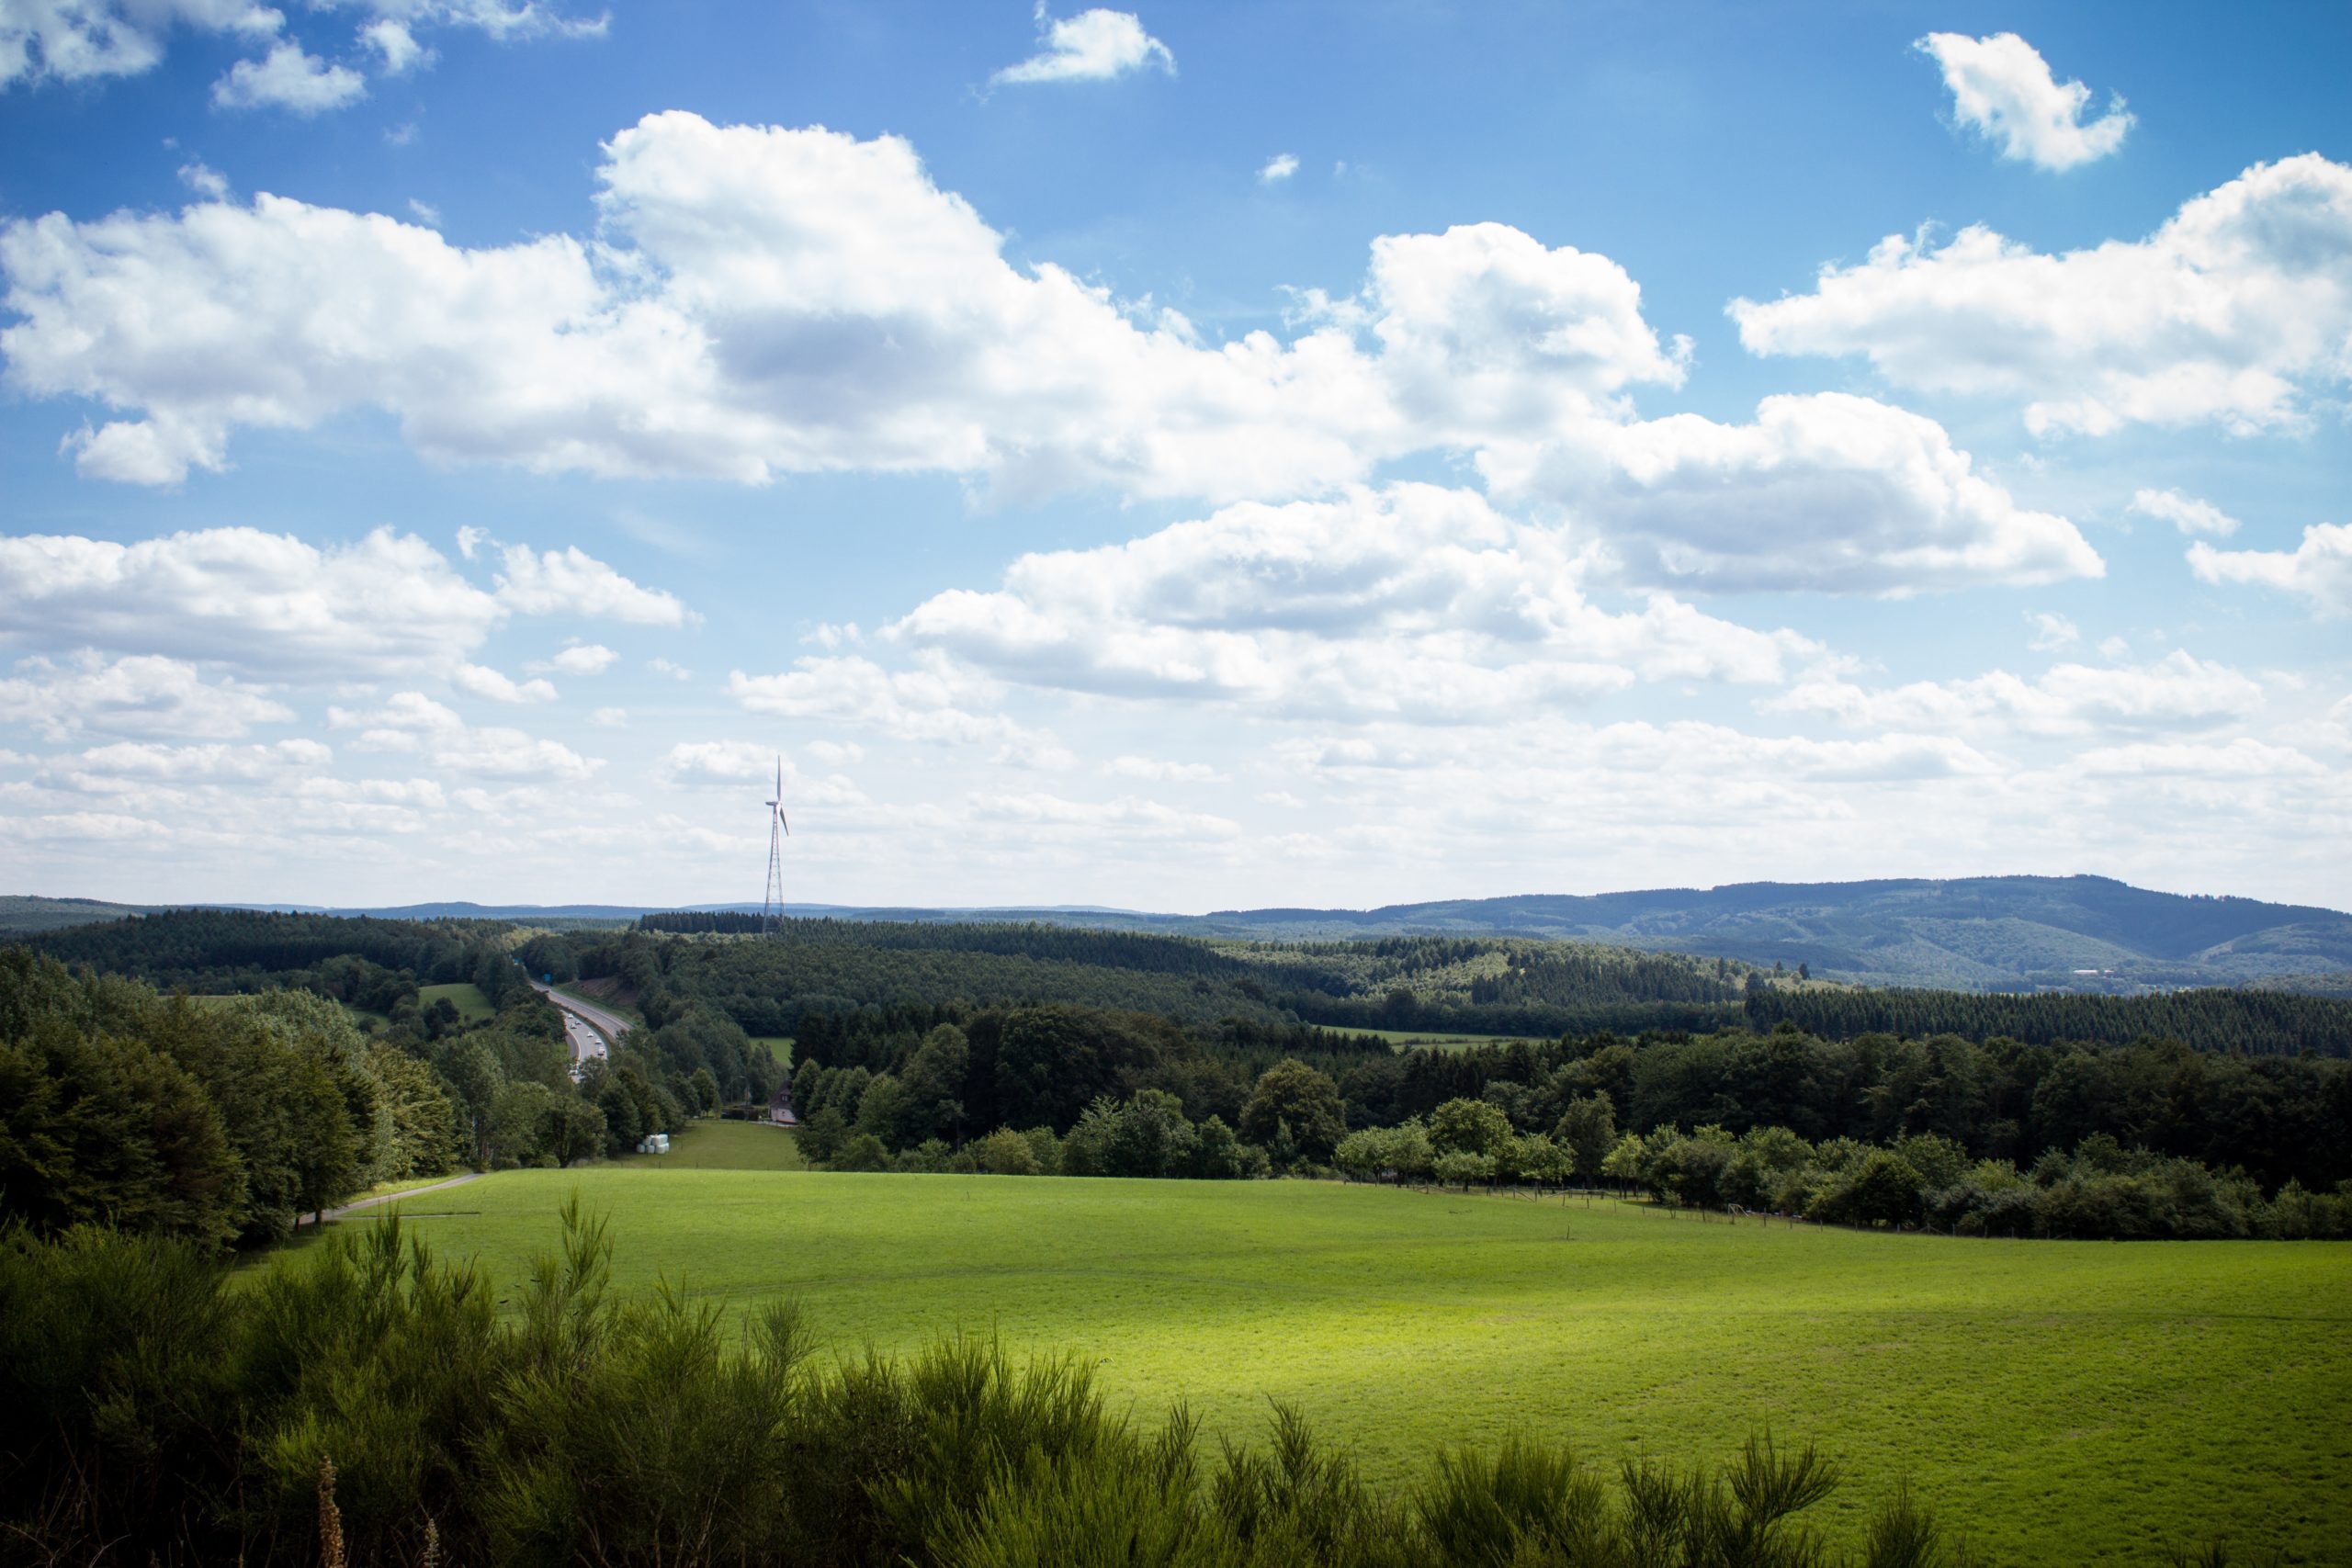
2070 1402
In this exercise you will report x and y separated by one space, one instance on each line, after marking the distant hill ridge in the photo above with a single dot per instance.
1975 934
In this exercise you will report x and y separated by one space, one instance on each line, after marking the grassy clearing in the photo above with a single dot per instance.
2059 1395
714 1145
1420 1037
781 1044
465 996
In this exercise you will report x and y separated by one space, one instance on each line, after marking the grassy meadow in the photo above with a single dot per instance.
465 996
711 1144
2058 1398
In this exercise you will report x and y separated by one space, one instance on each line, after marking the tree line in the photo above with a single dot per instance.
226 1118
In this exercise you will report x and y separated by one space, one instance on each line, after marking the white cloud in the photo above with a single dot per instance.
1829 491
144 695
764 301
2002 88
836 753
291 79
2228 314
1412 601
263 603
411 721
480 681
2176 692
610 719
1153 768
395 46
2318 570
2052 631
74 41
425 212
208 183
934 702
570 583
1279 167
503 20
127 766
2186 513
1093 46
663 667
580 658
2242 758
750 770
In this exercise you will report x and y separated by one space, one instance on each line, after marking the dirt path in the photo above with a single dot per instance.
398 1197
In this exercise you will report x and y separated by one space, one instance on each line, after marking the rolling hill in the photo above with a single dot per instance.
2082 933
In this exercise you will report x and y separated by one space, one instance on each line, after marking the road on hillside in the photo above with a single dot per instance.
591 1030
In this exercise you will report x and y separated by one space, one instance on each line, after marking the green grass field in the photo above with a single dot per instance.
465 996
713 1145
1421 1037
2055 1398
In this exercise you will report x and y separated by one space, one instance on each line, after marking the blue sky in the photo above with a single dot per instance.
1181 459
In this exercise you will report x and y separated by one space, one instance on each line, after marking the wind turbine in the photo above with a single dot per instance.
778 830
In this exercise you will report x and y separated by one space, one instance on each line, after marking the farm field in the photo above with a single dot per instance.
2069 1402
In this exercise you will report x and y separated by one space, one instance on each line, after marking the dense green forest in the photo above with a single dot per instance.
1471 984
225 1118
1043 1049
1494 986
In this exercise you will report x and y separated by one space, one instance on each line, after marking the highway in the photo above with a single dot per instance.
590 1028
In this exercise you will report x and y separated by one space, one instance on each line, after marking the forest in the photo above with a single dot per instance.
1052 1050
1471 984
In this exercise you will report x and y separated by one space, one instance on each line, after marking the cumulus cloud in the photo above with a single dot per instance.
1279 167
1829 491
74 41
2230 313
395 46
411 721
2186 513
1414 601
580 658
571 582
1093 46
2052 631
749 769
2179 692
1161 770
128 766
936 701
207 183
766 301
480 681
144 695
262 604
2319 569
289 78
2002 88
